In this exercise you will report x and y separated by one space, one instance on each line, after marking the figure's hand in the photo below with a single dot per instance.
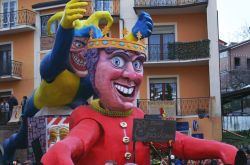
57 154
95 18
228 154
144 24
73 11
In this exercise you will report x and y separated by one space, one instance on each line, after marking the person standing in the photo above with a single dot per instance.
23 103
12 102
5 109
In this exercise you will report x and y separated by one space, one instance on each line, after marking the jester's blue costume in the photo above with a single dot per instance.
60 85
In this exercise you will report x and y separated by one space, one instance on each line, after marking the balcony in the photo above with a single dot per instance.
17 21
155 7
198 106
11 71
178 52
113 6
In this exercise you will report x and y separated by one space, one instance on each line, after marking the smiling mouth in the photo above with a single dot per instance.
78 62
125 91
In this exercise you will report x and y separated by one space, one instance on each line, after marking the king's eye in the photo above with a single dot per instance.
137 65
118 61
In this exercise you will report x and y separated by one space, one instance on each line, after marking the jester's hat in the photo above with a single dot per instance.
82 27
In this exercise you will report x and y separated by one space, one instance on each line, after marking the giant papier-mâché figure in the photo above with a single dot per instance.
102 130
65 80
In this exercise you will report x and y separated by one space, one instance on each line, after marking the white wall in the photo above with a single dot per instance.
236 123
128 14
212 23
37 77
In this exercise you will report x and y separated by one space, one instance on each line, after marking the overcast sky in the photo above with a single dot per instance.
233 16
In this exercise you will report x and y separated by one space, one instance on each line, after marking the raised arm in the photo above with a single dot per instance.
81 138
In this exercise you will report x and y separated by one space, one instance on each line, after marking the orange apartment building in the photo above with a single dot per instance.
18 49
182 69
183 63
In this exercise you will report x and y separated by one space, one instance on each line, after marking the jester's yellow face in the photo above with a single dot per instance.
77 56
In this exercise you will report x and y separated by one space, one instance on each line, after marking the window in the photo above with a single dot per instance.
5 59
54 26
163 89
248 63
105 5
236 62
158 42
9 13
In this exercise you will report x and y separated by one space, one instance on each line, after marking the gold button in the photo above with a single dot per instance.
123 124
125 139
127 155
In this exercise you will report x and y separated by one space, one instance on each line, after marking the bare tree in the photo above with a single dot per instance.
245 32
234 80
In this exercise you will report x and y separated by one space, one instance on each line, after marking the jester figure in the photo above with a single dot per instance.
65 80
102 130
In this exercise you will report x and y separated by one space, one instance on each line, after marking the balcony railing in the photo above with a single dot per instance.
181 106
17 18
178 51
167 3
12 69
113 6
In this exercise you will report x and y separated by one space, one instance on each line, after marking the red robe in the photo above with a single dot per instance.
95 138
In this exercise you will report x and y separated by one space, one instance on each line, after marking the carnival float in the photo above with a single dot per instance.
60 127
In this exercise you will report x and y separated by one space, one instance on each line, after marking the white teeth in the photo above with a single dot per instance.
78 61
130 90
124 89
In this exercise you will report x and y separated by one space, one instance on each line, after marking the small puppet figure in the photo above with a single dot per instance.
103 130
65 80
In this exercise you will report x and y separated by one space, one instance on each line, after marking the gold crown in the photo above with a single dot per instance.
123 43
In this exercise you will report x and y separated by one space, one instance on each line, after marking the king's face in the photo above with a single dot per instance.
118 77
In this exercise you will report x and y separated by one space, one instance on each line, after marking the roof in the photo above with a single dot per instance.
222 42
221 47
50 3
235 45
229 96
